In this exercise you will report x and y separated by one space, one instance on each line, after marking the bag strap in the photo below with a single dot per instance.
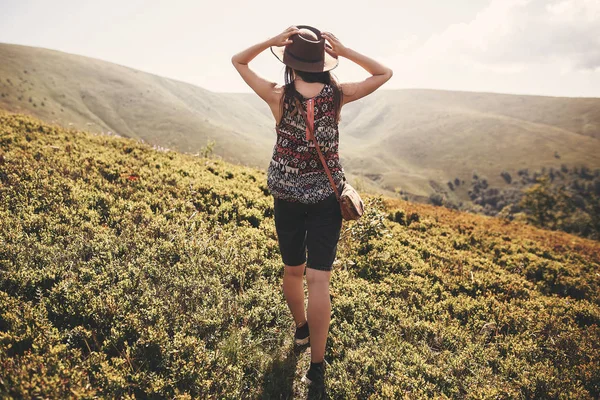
310 127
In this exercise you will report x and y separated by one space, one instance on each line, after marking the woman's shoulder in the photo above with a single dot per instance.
279 89
279 92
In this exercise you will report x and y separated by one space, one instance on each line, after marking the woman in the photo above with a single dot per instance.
306 210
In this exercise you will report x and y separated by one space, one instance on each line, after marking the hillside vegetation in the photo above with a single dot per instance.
127 272
413 141
566 199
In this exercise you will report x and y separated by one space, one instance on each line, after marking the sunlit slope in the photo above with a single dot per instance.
414 136
578 115
412 140
126 271
96 96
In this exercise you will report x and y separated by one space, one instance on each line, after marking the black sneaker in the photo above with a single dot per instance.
315 374
302 335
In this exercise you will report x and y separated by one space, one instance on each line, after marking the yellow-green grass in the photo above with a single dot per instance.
129 272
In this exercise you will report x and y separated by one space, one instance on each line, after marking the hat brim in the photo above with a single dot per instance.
329 62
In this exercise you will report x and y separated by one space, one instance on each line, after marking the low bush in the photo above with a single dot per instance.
127 272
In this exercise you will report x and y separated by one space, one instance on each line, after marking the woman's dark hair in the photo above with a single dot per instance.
290 91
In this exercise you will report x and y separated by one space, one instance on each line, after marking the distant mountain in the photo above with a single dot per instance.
96 96
414 136
413 141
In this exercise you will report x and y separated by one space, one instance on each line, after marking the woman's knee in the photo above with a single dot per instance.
317 277
294 270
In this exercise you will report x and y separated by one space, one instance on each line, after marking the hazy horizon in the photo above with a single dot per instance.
523 47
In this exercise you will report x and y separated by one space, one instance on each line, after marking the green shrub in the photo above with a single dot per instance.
127 272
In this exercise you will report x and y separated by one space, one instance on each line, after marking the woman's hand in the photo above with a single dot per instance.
267 90
356 90
283 39
337 48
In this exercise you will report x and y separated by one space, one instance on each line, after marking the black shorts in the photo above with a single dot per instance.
313 227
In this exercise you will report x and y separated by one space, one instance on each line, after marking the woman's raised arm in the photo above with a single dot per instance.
380 74
263 87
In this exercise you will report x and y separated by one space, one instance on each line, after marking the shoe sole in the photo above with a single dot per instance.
301 342
305 380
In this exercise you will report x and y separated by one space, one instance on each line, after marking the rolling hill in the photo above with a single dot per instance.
98 96
415 136
129 272
411 140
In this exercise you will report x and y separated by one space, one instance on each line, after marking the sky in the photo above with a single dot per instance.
538 47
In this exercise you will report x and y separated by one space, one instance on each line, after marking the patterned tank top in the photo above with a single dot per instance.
295 171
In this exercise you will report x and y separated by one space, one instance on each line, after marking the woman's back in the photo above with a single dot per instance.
296 172
308 90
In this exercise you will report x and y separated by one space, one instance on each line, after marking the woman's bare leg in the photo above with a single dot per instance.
319 311
293 290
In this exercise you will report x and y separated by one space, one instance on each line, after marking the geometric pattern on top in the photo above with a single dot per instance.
295 171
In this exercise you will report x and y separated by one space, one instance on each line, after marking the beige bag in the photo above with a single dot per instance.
351 204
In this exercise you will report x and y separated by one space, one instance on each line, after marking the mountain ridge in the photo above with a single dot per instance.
393 140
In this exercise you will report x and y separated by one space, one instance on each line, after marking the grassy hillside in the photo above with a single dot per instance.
566 199
411 140
96 96
414 137
134 273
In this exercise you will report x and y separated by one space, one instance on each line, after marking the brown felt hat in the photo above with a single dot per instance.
305 53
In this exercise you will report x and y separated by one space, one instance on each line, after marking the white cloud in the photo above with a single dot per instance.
511 35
